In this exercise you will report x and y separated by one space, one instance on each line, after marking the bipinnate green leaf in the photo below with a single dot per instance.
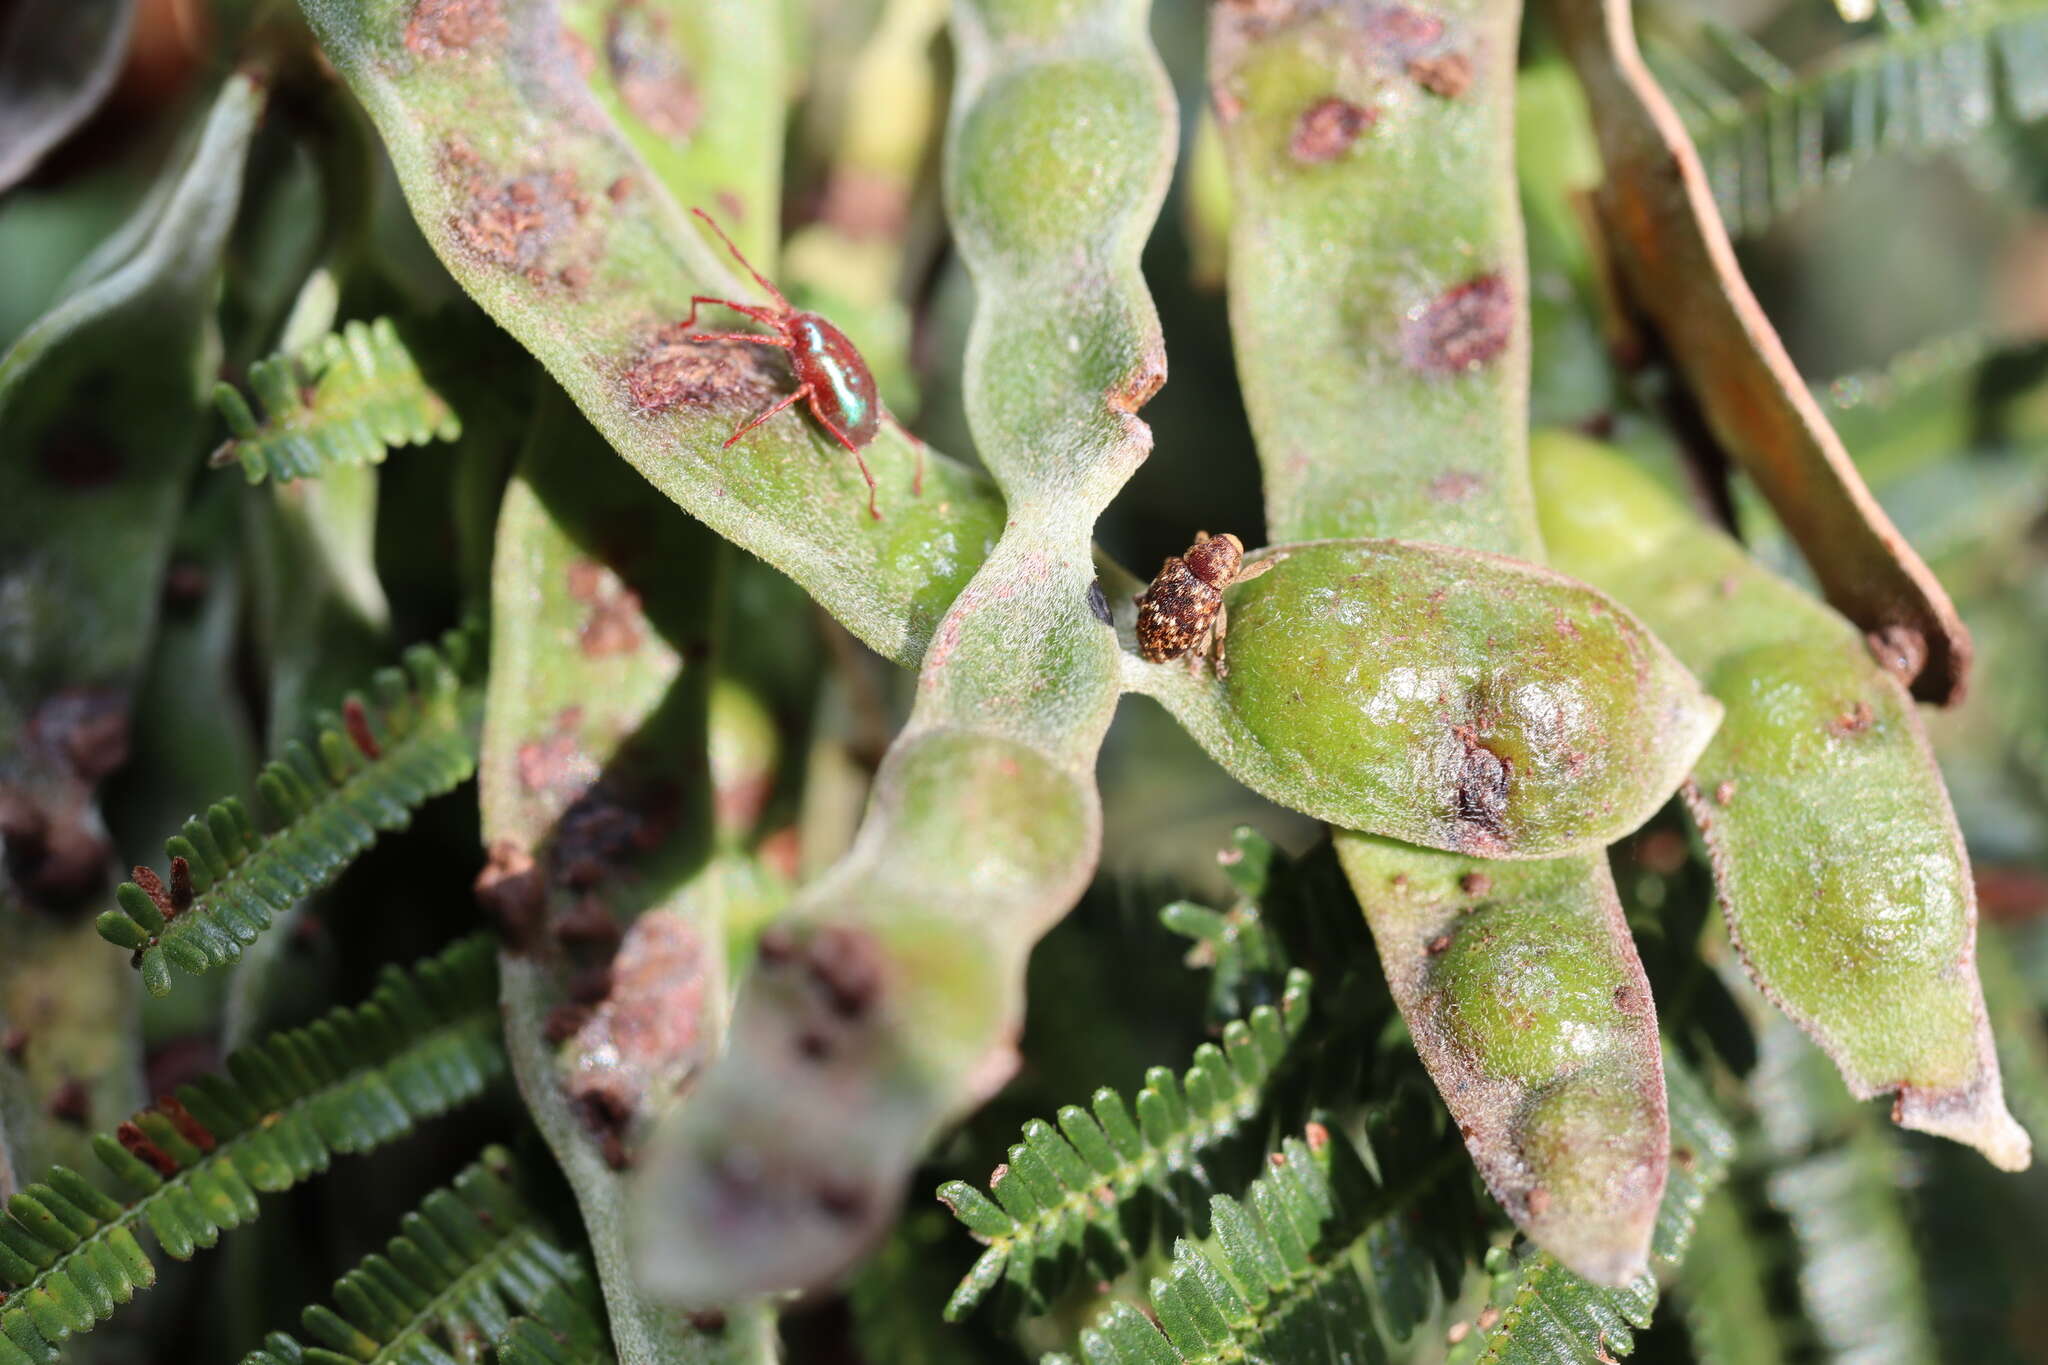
889 998
1093 1195
1836 856
344 400
1458 700
1398 408
1310 1263
542 209
472 1254
1913 85
366 772
191 1167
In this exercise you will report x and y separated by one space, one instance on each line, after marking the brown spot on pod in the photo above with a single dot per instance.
1401 32
643 1033
1327 128
1853 721
614 624
847 964
186 584
1539 1202
509 889
1462 328
85 728
1480 792
441 28
556 761
1724 792
1446 74
70 1103
648 72
588 924
1475 883
564 1022
671 372
78 457
1455 485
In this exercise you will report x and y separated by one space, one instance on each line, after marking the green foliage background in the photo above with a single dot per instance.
1197 1126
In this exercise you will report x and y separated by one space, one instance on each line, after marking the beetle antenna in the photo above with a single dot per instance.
745 264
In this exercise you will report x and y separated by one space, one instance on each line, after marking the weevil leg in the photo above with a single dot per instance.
917 479
1219 628
803 391
1251 571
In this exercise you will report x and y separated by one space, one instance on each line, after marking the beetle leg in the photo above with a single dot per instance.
754 337
757 314
847 441
803 391
1219 628
917 480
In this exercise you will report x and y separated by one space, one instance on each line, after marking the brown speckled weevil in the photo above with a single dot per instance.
1182 613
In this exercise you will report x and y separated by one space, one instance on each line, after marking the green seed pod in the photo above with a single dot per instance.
1839 866
1457 700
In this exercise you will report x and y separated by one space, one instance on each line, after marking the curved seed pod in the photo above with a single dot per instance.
1536 1032
889 1000
542 209
1838 861
87 516
594 735
1454 699
1414 288
1674 254
58 59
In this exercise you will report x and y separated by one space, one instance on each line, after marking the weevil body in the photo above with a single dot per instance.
1182 612
831 378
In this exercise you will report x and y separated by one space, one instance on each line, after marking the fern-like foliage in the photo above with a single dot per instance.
1322 1260
366 771
1931 82
350 1081
1542 1313
469 1258
1085 1196
344 400
533 1342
